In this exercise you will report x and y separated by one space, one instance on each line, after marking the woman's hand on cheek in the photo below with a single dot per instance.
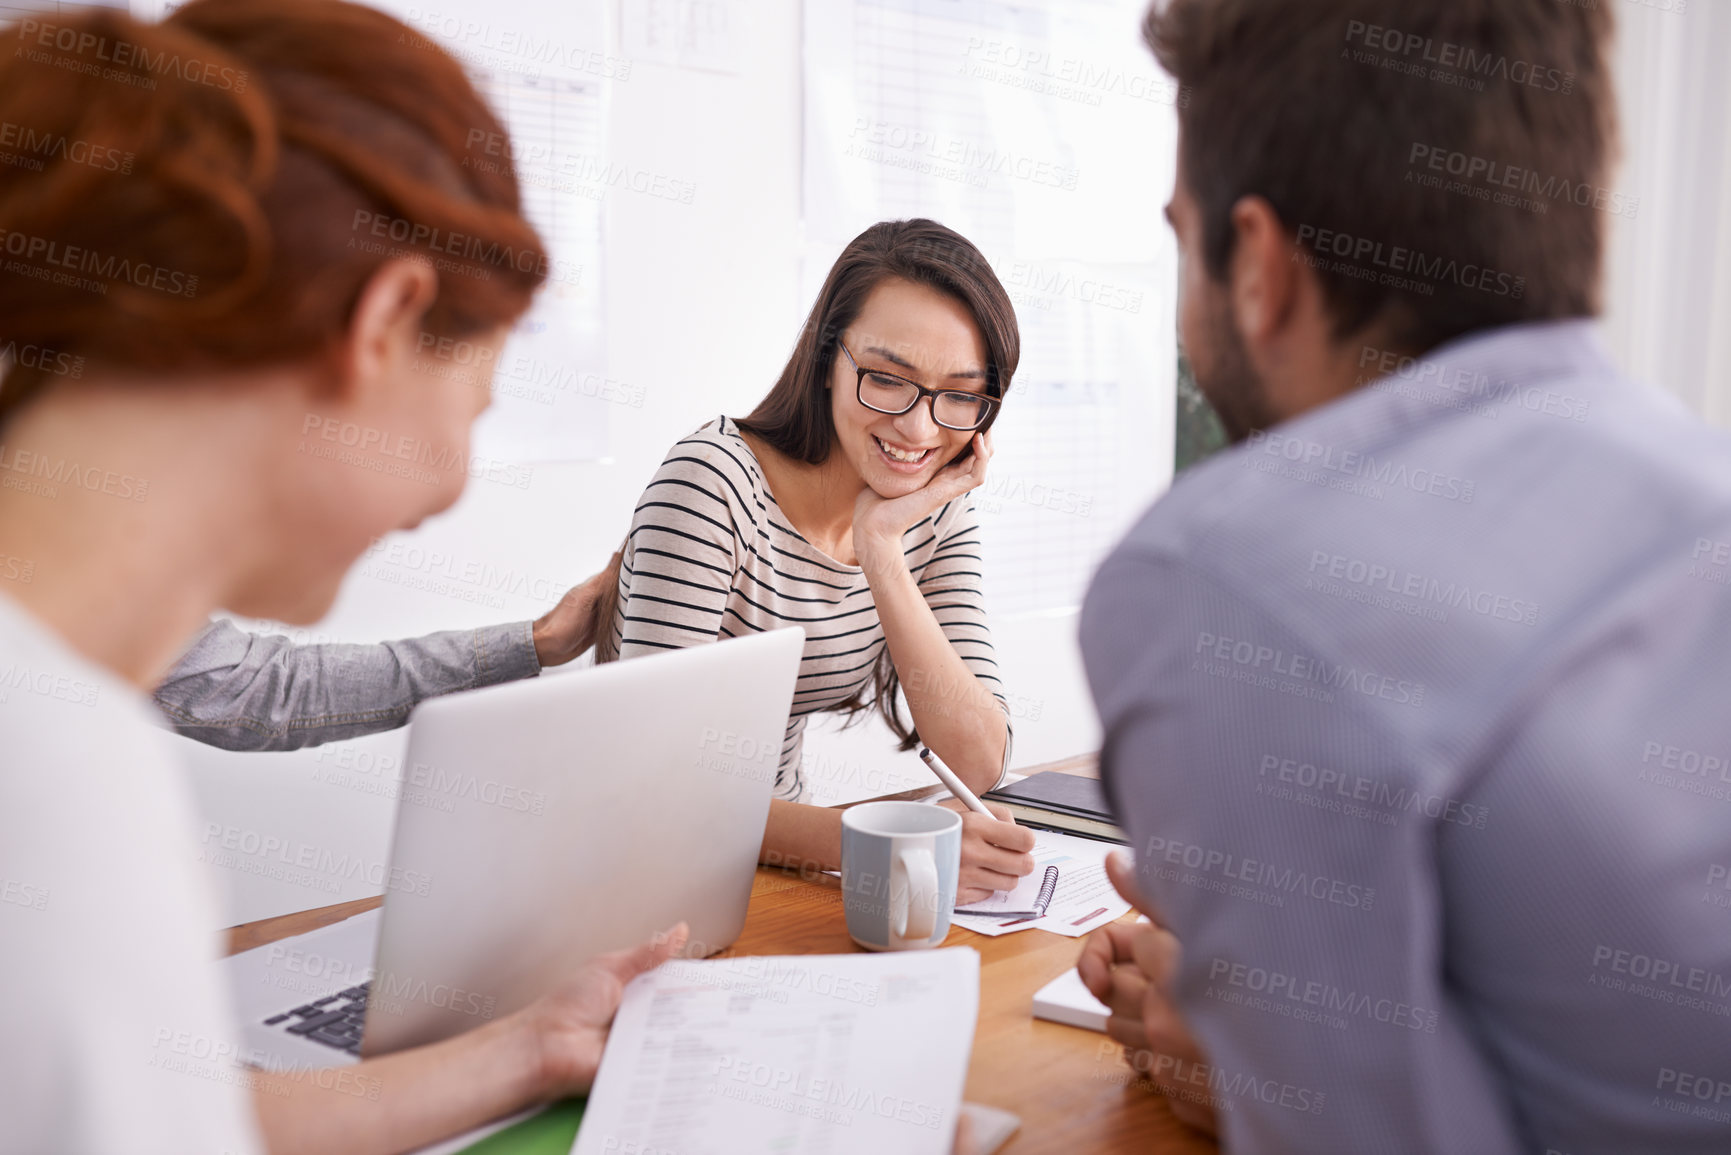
996 853
879 522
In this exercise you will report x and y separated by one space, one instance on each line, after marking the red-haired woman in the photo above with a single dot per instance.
840 505
286 224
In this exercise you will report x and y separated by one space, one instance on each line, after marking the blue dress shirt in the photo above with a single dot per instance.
1417 710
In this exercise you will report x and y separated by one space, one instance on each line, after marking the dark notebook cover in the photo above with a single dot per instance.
1055 791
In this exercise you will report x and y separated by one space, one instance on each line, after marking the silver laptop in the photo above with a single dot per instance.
539 824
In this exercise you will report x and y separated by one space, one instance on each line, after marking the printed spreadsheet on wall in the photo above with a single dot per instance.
1043 133
551 392
546 71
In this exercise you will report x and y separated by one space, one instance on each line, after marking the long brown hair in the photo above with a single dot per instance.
219 191
794 418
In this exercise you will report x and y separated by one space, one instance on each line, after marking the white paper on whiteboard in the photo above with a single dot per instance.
685 33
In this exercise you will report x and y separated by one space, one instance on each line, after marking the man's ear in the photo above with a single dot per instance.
385 327
1265 272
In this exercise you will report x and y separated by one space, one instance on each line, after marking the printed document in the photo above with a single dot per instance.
819 1054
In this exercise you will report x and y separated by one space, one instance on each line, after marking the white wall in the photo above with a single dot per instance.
703 305
1668 279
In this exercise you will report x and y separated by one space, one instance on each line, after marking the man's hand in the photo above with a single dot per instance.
964 1144
995 852
569 1024
569 628
1131 969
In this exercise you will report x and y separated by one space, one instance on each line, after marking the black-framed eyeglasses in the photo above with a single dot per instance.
951 408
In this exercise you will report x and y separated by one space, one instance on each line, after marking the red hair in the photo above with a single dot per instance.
216 190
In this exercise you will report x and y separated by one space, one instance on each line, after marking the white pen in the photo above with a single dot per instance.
956 785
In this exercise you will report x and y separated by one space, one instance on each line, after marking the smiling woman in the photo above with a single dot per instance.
840 505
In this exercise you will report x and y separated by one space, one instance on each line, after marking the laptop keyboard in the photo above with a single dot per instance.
334 1020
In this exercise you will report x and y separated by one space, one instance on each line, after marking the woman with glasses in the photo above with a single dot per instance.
840 505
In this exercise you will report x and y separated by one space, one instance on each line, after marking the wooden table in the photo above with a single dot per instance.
1072 1088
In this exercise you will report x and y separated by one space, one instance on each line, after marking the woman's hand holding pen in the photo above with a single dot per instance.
880 523
995 852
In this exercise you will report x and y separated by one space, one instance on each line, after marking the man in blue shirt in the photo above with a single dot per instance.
1414 699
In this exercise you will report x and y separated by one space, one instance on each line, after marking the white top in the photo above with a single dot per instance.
711 555
112 1011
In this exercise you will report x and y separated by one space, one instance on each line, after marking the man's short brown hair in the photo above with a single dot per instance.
1442 163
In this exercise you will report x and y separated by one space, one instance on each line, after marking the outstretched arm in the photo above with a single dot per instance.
241 691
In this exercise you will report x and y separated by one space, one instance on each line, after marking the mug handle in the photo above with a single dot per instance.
913 894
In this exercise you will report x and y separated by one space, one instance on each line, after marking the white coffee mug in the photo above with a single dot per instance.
899 865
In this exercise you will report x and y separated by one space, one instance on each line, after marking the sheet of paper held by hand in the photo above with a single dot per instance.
840 1054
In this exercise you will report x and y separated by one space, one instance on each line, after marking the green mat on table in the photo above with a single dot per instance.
550 1133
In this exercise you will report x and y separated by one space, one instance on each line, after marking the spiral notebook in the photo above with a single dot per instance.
1068 892
1031 898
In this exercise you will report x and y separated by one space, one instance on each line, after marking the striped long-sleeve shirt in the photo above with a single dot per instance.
711 555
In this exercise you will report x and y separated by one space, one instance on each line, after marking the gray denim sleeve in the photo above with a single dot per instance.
241 691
